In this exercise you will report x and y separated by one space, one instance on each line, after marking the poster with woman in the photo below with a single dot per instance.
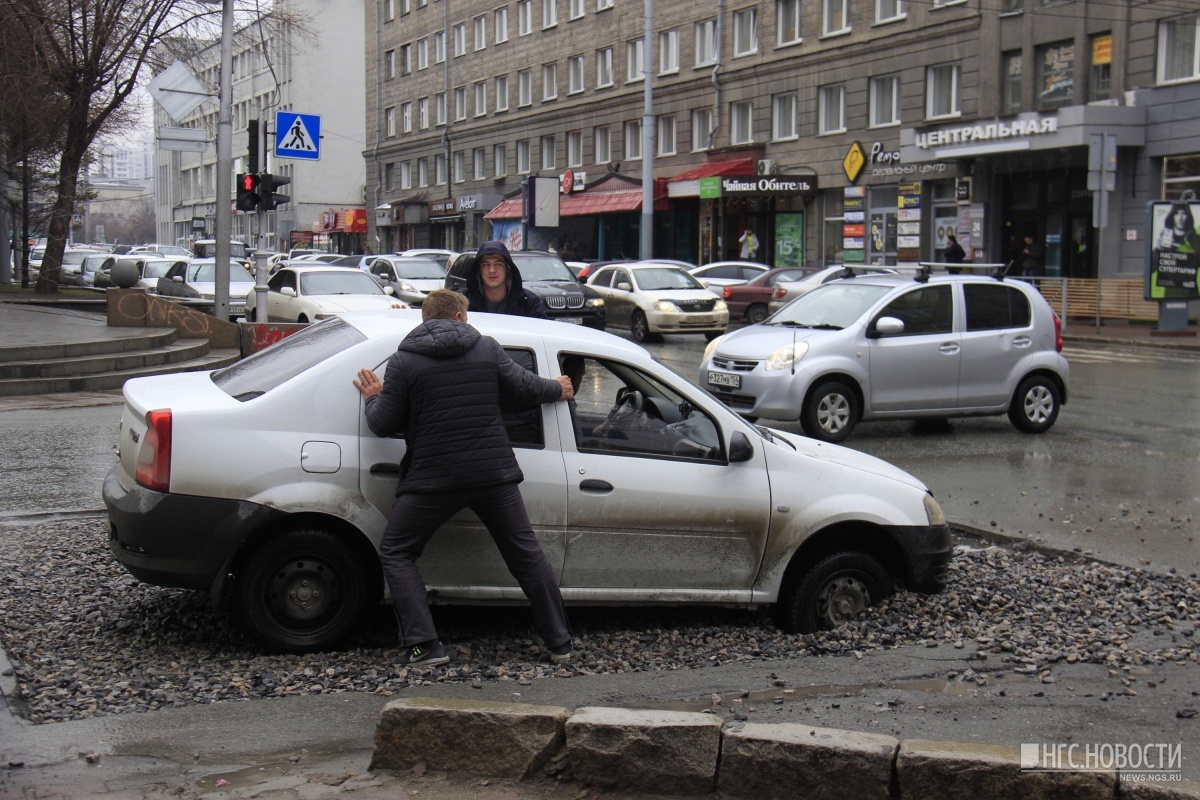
1175 251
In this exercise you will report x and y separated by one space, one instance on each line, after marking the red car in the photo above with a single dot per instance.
750 299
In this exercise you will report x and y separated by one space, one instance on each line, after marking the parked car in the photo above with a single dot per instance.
164 250
588 270
576 267
752 299
410 279
443 257
150 270
207 248
719 274
650 298
359 261
544 274
70 273
684 502
787 291
93 264
320 258
310 293
196 279
891 347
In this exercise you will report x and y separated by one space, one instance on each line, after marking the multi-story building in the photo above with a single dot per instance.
277 67
838 131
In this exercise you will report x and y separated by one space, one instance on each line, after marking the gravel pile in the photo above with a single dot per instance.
86 639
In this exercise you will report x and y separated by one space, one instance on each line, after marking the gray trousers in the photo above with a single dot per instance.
415 518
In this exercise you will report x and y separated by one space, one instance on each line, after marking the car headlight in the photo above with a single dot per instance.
934 511
408 287
712 347
666 306
720 306
595 302
786 356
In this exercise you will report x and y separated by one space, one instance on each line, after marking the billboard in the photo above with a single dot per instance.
1174 251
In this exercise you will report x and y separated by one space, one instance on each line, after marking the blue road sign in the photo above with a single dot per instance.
297 135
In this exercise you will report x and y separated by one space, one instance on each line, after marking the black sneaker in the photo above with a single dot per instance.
428 654
561 654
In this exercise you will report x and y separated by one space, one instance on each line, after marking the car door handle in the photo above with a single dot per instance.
949 348
595 486
385 469
1022 341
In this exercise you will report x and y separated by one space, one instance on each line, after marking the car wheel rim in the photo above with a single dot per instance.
842 600
1039 404
640 327
833 413
302 592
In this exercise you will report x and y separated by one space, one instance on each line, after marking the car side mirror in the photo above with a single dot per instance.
624 287
177 279
388 290
287 291
885 326
740 448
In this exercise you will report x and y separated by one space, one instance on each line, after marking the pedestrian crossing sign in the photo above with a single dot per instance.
297 135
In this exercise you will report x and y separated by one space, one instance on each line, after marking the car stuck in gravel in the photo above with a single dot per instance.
645 490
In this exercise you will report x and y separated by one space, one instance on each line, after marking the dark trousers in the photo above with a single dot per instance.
415 518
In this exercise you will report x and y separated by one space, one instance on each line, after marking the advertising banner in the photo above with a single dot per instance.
1174 252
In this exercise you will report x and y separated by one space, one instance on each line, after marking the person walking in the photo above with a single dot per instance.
749 245
953 254
442 390
494 285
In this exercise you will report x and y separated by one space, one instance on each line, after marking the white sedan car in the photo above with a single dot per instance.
308 294
650 298
719 274
196 280
646 489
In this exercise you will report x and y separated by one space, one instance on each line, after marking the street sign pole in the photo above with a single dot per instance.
1102 179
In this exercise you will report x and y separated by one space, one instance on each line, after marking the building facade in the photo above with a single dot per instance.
277 68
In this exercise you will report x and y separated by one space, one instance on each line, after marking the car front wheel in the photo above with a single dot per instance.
302 590
639 327
830 413
832 593
1035 406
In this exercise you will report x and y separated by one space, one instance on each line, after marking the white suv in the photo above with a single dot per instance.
870 346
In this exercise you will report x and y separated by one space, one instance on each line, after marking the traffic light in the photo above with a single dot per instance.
268 190
249 187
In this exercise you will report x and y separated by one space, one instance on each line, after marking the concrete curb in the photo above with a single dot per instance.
690 753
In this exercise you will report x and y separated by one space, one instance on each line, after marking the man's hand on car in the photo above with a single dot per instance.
368 383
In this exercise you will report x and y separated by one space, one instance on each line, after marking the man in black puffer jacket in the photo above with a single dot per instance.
443 390
494 285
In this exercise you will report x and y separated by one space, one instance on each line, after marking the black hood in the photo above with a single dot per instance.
515 284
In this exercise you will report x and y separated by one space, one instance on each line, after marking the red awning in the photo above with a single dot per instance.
582 203
741 166
508 209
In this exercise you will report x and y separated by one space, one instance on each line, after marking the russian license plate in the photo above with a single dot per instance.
572 320
700 319
725 379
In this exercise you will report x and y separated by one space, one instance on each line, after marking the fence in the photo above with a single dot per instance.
1077 297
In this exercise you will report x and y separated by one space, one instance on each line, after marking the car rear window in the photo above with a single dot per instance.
263 371
991 306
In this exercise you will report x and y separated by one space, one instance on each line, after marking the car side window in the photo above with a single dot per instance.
524 424
729 271
621 276
620 410
929 309
993 306
603 278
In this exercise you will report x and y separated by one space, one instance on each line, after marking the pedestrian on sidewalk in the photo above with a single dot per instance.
443 390
954 253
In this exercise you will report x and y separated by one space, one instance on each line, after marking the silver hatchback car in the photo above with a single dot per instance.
870 346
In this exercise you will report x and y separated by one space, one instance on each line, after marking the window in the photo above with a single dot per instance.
603 143
1010 89
524 87
601 5
1055 75
745 31
787 13
1100 77
576 8
460 103
941 91
666 135
701 126
439 47
460 166
1178 53
784 123
832 110
993 307
548 158
439 169
549 81
929 309
888 10
480 33
575 74
502 93
389 10
422 172
460 39
389 121
439 107
633 140
501 24
477 159
523 163
524 17
634 56
937 3
389 65
836 18
741 122
668 52
389 177
405 59
549 13
885 101
405 175
604 73
500 160
480 98
423 54
406 113
423 112
706 42
574 148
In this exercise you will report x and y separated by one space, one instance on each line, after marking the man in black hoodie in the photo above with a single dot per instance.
443 390
494 285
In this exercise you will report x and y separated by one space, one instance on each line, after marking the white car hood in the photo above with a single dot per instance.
759 341
341 303
844 456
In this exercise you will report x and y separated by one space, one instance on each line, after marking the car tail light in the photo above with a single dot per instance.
154 459
779 293
726 293
1058 340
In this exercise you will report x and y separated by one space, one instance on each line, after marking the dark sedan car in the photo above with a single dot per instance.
750 299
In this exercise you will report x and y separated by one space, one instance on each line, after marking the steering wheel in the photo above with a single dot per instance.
627 396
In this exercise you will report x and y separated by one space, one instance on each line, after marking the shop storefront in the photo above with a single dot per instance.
342 232
402 225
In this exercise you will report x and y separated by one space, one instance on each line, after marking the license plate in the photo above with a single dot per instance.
725 379
572 320
700 319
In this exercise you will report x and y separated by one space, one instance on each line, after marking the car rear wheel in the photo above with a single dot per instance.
832 593
830 413
302 590
1035 406
757 313
640 327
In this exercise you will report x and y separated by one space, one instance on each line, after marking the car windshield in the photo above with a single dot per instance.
339 282
207 273
156 269
421 269
261 372
834 305
540 268
172 250
74 258
656 278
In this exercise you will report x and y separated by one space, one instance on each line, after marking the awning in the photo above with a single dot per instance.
687 184
584 203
